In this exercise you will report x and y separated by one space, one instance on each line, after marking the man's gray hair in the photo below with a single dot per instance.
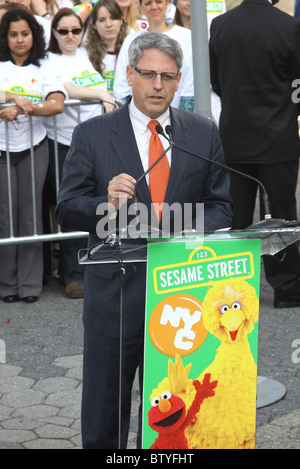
158 41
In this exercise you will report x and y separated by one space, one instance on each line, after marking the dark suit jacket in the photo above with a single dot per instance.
105 146
254 57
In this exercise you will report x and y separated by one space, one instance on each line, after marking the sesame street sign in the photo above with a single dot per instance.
201 344
202 267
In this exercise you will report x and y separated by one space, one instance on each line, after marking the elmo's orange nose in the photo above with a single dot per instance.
164 405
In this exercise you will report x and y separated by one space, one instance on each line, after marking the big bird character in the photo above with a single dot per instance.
169 418
227 421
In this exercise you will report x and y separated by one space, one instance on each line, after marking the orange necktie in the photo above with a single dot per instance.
159 174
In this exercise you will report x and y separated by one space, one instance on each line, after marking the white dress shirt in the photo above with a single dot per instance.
142 133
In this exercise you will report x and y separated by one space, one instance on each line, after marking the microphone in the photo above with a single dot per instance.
169 132
268 221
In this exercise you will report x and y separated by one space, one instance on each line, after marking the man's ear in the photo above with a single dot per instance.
129 73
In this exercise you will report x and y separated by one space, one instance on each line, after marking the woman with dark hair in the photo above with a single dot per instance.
81 81
106 33
37 51
43 21
34 91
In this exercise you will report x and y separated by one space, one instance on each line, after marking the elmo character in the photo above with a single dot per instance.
169 418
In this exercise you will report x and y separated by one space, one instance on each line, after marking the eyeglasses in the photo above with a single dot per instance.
65 32
151 74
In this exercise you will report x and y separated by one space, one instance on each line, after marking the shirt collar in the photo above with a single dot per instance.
26 62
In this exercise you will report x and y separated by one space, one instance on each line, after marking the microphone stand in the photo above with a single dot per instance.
268 222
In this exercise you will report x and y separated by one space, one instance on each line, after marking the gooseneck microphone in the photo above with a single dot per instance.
268 221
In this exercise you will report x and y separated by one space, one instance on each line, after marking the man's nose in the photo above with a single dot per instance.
157 82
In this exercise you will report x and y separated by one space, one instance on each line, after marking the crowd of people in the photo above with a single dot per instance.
67 50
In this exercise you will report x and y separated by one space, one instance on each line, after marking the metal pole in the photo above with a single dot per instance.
200 57
11 224
32 158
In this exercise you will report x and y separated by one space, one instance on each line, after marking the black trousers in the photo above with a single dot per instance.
100 396
69 269
280 181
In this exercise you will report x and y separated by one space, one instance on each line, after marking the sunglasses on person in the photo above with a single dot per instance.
65 32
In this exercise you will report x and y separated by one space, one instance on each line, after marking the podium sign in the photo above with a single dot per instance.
201 339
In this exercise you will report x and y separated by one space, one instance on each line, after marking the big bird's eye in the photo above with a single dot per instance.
155 401
224 309
166 395
236 305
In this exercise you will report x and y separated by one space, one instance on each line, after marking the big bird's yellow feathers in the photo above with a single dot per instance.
227 420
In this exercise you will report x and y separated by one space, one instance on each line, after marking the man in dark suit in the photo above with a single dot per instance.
254 58
108 154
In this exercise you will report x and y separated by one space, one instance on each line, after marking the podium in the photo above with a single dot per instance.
124 250
120 247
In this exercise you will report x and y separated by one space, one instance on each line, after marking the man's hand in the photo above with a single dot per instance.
120 189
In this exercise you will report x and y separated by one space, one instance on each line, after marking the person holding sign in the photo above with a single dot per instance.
108 155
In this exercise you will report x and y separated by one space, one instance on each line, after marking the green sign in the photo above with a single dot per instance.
88 79
201 344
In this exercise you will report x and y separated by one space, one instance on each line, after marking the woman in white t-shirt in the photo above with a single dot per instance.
143 22
155 11
34 91
106 33
81 81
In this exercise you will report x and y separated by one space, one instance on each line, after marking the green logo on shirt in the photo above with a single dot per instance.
109 78
88 79
34 98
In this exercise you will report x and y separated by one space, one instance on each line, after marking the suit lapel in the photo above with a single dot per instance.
182 139
127 152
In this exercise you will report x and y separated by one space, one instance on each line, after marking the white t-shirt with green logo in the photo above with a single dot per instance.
79 70
34 83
